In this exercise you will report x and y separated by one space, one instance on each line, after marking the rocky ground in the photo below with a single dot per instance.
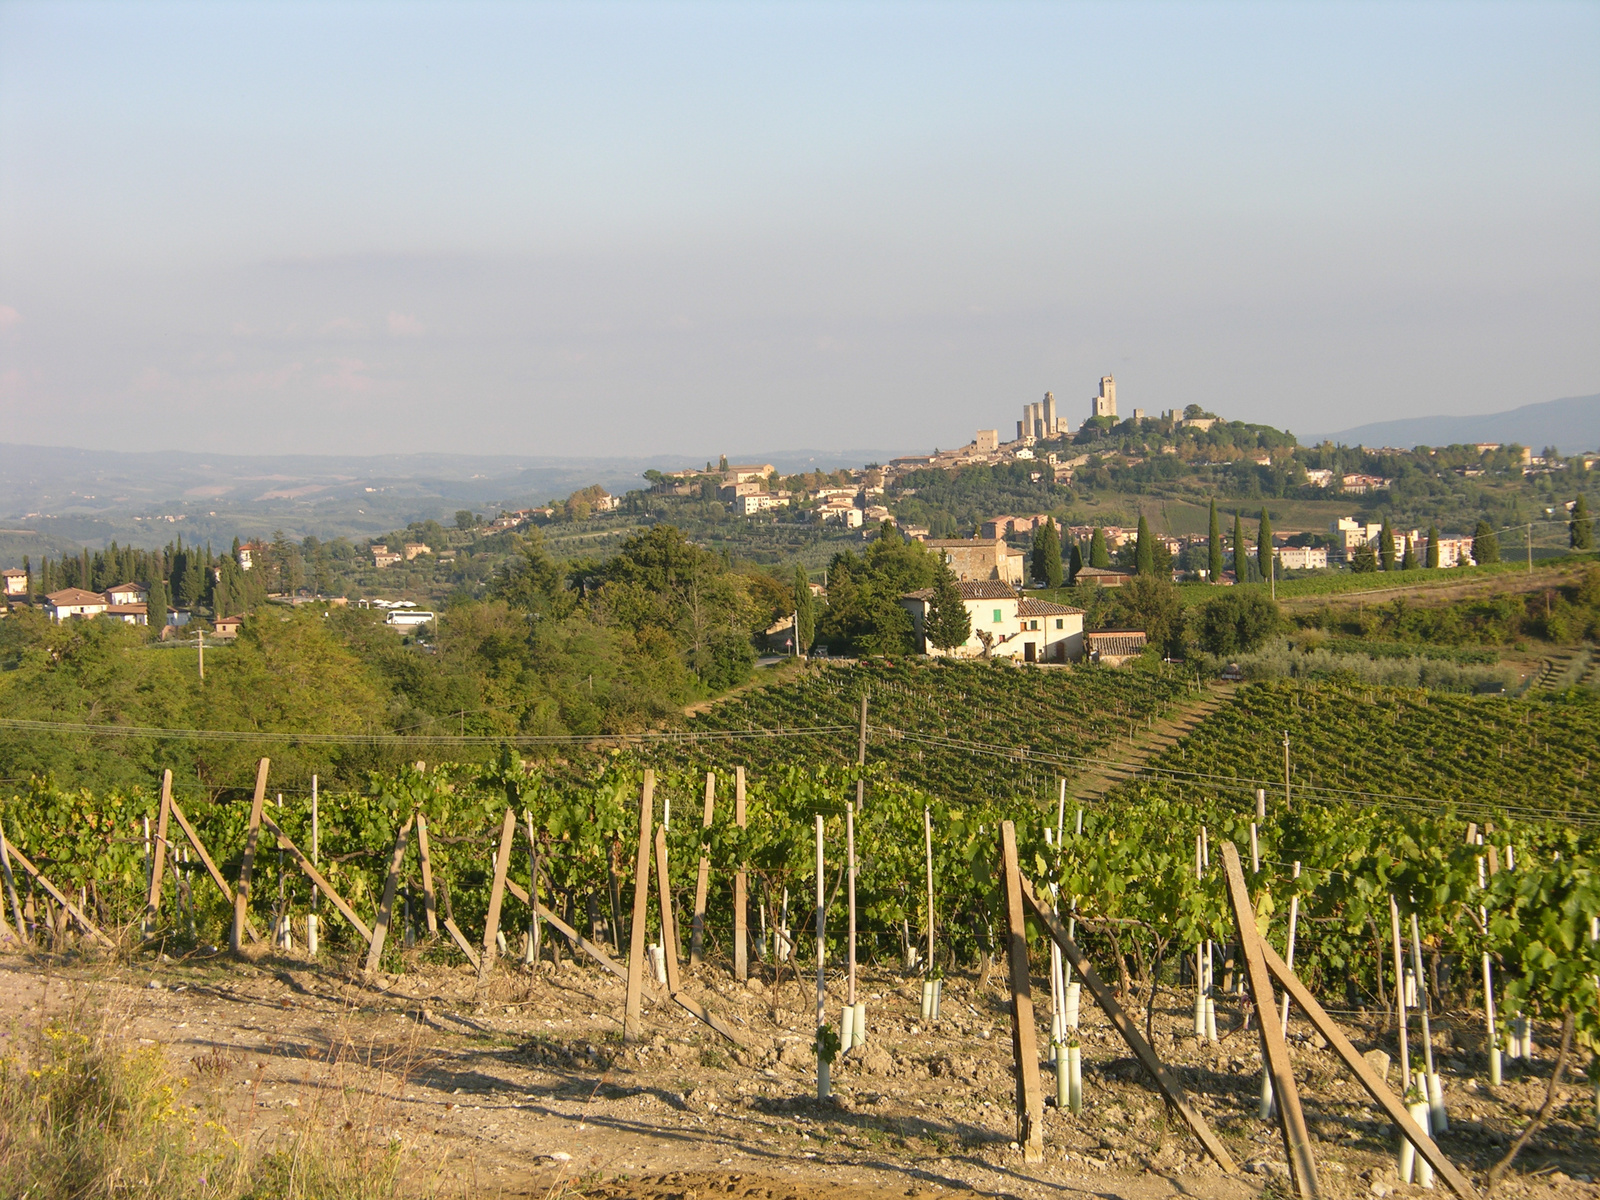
527 1088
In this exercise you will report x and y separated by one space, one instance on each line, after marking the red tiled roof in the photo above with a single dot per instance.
974 589
74 597
1045 608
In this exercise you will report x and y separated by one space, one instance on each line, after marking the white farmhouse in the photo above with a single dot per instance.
1011 625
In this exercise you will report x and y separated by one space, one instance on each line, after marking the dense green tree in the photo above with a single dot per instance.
1485 546
1580 531
1241 556
1150 602
948 624
1046 557
1264 546
864 612
1075 563
805 612
1364 559
1236 622
1409 561
1214 558
1386 545
1143 556
1433 545
1098 555
156 604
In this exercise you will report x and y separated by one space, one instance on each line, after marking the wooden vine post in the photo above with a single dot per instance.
1143 1051
497 895
429 900
1274 1049
1024 1044
11 887
741 897
850 847
697 936
641 906
152 902
241 897
380 930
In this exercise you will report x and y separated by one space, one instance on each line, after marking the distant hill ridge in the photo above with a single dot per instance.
1572 425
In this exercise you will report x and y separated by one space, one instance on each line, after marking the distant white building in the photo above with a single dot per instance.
1302 558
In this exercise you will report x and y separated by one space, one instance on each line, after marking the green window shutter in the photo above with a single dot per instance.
997 616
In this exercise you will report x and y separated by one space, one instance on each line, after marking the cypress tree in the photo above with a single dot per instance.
1098 556
1241 560
157 604
1075 563
1052 553
1581 529
805 612
1144 562
1485 546
1264 546
1433 545
1036 555
1214 562
1386 545
27 568
1409 561
948 623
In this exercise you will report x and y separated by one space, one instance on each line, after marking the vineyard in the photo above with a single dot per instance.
1473 815
1381 784
931 719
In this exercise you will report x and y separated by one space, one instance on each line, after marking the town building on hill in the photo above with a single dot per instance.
976 559
1302 558
1004 624
1105 404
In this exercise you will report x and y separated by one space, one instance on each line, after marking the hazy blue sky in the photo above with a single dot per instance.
688 228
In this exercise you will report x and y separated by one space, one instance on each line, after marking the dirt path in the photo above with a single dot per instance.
528 1091
1146 744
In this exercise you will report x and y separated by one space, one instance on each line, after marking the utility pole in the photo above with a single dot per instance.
202 634
1530 547
1272 573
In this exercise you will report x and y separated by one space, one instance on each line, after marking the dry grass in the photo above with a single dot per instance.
87 1113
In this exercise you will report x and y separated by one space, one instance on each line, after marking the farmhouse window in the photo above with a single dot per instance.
997 616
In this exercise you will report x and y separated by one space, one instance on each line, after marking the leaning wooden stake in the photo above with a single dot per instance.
702 883
71 908
241 897
1024 1047
380 930
567 931
1274 1049
497 895
429 901
641 904
315 876
1168 1083
211 867
741 896
669 928
11 887
1381 1095
153 901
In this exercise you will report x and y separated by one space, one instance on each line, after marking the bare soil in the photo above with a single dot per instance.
526 1089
